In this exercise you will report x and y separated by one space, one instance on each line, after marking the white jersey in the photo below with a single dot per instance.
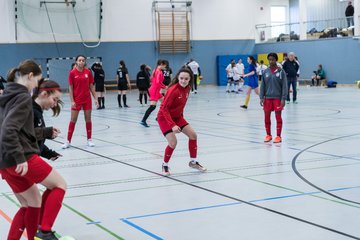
194 66
261 69
236 73
240 67
229 72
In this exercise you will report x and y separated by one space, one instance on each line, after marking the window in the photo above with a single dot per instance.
278 17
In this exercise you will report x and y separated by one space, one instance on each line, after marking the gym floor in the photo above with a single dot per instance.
307 187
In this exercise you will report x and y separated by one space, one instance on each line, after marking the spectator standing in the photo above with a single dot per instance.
349 13
291 68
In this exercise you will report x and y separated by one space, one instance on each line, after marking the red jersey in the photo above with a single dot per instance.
81 85
174 103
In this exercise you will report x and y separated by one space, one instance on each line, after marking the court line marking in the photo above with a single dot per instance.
293 165
79 214
222 195
127 219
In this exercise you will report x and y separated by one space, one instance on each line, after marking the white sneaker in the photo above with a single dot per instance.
66 145
197 165
90 143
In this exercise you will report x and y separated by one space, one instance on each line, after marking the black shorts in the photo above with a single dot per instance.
99 88
122 86
143 89
167 81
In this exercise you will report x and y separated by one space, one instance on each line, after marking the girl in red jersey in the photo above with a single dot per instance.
20 164
81 84
154 91
171 119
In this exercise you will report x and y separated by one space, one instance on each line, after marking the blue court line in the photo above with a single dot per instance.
141 229
126 220
236 203
89 223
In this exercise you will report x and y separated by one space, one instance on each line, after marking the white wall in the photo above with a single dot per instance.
132 20
225 19
7 19
263 15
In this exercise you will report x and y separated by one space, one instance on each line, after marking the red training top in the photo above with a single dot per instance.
174 103
81 84
156 84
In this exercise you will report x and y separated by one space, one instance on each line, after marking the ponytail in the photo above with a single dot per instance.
11 74
25 67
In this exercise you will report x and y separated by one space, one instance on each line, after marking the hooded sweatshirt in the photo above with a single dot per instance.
42 132
17 136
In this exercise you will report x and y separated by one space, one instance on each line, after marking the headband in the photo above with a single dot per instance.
49 89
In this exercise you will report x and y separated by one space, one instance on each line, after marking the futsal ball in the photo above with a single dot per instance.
66 238
358 84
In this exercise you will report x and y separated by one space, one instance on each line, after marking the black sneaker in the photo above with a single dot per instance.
243 106
40 235
144 124
165 170
126 106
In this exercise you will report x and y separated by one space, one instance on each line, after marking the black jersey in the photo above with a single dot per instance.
99 74
121 72
42 133
167 76
142 80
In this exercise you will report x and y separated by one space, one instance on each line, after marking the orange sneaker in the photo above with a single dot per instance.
268 138
277 139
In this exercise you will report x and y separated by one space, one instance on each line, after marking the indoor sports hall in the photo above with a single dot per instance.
305 187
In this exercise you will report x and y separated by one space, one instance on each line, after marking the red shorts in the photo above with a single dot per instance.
166 128
273 104
84 106
38 170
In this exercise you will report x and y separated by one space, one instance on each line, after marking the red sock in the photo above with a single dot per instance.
71 130
193 148
32 216
18 225
43 201
51 208
168 153
278 123
268 122
88 129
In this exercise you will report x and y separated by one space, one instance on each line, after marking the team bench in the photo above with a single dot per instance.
305 82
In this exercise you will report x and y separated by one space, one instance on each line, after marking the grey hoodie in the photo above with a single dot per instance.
274 85
17 135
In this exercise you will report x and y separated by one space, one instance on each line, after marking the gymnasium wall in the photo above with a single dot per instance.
339 57
134 53
218 28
